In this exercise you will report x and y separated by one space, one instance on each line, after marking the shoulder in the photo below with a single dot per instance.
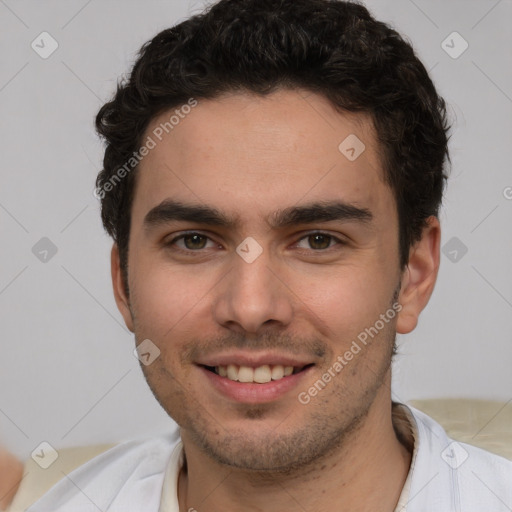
125 478
456 475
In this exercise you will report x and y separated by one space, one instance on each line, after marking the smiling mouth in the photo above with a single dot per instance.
259 375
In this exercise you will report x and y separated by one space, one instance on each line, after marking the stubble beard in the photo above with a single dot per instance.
292 449
265 453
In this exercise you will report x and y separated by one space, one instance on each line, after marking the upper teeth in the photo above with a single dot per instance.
261 374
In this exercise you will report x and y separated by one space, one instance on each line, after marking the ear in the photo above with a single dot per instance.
122 301
419 277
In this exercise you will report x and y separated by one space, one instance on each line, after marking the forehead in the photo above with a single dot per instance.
248 155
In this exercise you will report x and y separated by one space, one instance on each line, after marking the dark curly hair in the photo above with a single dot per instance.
333 48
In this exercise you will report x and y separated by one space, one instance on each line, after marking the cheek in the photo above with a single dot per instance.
345 300
165 298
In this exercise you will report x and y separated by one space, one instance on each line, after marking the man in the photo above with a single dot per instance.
272 178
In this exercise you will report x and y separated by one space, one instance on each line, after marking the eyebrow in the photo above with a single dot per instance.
170 210
320 212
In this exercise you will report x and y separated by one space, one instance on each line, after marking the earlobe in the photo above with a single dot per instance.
122 301
419 277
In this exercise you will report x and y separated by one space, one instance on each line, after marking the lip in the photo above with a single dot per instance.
253 393
254 360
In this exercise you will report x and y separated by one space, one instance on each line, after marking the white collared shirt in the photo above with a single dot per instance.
445 476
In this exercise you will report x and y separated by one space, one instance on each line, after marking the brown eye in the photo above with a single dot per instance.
319 241
194 241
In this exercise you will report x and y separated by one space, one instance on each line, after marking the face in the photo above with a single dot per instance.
257 245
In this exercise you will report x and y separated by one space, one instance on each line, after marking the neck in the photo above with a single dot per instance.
366 473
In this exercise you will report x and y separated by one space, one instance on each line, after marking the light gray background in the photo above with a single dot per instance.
67 372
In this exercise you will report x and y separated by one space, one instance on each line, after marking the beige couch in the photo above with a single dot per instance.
482 423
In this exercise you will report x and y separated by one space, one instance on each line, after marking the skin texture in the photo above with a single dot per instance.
11 471
250 157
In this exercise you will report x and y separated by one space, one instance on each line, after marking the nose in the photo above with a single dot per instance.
252 297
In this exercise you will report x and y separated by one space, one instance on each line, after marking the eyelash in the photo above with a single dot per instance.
335 240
